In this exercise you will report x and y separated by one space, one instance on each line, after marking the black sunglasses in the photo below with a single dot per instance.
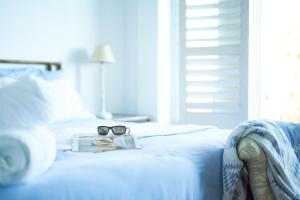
117 130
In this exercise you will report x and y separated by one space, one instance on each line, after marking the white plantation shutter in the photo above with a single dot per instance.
211 61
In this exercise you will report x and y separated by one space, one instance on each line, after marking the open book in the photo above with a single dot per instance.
96 143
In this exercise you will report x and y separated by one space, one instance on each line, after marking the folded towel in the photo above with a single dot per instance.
25 153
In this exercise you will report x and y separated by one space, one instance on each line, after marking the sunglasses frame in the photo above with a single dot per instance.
127 130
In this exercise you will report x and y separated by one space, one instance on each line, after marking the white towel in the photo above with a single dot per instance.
25 153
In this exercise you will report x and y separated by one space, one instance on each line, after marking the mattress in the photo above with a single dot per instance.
175 162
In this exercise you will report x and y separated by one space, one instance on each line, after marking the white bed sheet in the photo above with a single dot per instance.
175 162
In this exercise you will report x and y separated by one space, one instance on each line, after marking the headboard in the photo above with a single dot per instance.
50 66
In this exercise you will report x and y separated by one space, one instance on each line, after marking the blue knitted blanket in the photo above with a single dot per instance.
281 144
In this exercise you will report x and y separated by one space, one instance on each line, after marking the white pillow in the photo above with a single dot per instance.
63 98
23 105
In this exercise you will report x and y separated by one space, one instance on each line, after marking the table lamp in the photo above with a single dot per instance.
103 55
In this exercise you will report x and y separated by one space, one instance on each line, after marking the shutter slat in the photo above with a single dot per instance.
230 40
211 22
214 23
200 68
201 2
211 43
220 83
202 13
223 28
220 50
212 111
212 91
219 17
212 34
224 4
233 106
211 100
215 95
213 58
220 63
218 73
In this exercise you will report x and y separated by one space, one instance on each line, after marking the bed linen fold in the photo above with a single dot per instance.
280 142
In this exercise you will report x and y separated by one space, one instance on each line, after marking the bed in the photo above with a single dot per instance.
175 162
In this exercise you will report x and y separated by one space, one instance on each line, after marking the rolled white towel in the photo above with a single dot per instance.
25 153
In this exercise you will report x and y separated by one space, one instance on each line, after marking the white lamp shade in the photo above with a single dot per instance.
103 54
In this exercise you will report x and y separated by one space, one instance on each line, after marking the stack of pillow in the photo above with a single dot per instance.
29 99
32 96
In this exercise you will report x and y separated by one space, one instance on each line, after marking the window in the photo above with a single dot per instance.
280 60
213 62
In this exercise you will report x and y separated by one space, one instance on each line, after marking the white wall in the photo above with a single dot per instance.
141 57
67 31
131 56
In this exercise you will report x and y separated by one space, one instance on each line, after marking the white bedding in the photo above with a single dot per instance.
175 162
64 131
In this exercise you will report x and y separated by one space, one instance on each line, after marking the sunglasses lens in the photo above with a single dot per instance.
119 130
103 130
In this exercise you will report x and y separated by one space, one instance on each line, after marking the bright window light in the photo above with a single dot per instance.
164 61
280 60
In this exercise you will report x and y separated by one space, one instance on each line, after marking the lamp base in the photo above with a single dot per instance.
105 115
